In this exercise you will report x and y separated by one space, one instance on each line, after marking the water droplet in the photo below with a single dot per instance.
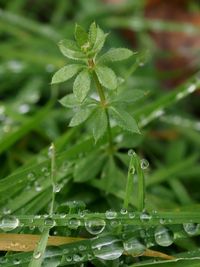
107 247
162 221
68 258
114 223
9 223
131 215
16 261
132 170
145 216
134 247
95 226
82 247
131 152
6 211
37 255
31 176
49 222
37 186
51 151
144 164
74 223
191 228
57 188
163 236
24 108
123 211
77 258
110 214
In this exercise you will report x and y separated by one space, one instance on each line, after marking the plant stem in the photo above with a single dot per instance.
104 105
53 170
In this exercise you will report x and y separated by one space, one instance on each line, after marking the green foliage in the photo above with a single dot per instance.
82 191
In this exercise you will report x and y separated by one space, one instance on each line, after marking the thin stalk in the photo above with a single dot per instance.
104 105
38 254
53 172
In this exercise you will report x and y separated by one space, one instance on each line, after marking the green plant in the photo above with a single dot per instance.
92 67
126 234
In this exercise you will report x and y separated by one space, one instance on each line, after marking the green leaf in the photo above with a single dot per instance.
69 101
98 123
106 77
92 33
100 40
80 116
88 167
81 35
124 120
65 73
115 54
129 96
81 85
71 50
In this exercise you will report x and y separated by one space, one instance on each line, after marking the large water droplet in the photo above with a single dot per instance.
9 223
191 228
110 214
134 247
144 164
74 223
107 247
95 225
145 216
163 236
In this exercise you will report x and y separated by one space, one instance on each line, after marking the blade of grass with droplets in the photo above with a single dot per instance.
38 254
156 109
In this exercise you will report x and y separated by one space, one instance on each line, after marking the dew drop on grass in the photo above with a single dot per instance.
134 247
191 228
145 216
16 261
37 255
110 214
95 226
9 223
74 223
31 176
123 211
163 236
6 211
77 258
51 151
107 247
37 186
57 188
144 164
49 222
131 152
68 258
